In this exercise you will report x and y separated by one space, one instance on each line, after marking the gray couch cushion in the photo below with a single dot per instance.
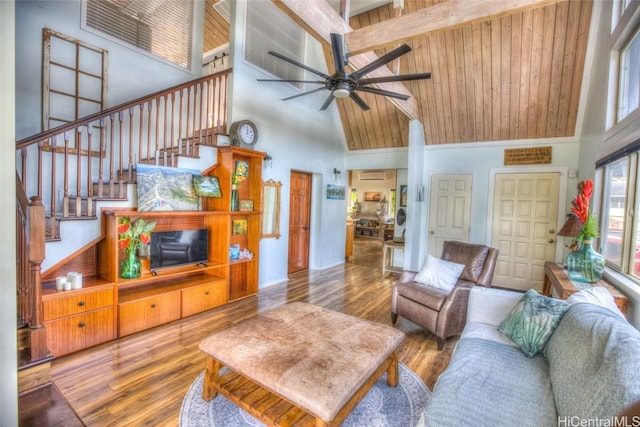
594 363
492 384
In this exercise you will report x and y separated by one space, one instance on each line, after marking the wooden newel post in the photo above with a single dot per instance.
36 250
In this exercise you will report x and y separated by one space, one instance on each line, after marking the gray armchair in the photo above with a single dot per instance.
440 312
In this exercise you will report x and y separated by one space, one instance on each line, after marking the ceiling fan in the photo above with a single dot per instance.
341 84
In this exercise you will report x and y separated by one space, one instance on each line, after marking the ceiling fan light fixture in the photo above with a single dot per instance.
342 90
341 93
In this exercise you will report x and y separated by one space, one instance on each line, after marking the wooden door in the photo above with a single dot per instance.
299 220
525 215
449 210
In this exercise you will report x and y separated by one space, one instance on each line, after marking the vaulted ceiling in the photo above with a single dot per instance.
505 77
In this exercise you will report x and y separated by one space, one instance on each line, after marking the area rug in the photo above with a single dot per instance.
384 405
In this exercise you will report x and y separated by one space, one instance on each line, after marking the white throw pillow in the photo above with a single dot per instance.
596 295
439 273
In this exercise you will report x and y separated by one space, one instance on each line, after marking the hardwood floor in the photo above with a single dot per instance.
141 379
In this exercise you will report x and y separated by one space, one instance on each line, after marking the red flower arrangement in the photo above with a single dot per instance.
580 207
131 236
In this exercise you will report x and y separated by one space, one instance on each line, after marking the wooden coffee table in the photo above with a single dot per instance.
299 364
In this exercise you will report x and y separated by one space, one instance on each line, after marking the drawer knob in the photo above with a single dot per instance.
81 303
206 293
153 306
81 324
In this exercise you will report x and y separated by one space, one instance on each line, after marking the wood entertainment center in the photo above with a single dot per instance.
109 306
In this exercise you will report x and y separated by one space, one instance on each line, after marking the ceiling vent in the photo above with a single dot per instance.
373 175
223 7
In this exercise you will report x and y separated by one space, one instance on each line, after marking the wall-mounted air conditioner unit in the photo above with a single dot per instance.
373 175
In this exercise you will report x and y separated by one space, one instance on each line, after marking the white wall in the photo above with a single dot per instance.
478 159
8 341
298 137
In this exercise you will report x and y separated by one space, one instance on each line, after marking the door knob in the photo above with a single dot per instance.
552 231
551 241
432 232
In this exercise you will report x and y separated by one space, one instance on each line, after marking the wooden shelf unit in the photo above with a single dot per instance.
243 274
109 306
374 228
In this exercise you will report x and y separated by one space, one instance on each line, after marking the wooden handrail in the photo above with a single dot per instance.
25 142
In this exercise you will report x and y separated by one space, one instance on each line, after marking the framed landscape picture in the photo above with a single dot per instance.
371 196
206 186
246 205
335 191
162 188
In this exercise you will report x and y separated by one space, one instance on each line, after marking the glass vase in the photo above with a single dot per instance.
131 267
234 198
584 264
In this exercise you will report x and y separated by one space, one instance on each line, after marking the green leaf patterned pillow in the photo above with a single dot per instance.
533 320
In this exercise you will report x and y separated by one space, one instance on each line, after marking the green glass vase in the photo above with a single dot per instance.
235 202
131 267
584 264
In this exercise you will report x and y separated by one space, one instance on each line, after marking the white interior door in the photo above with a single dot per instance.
525 215
449 210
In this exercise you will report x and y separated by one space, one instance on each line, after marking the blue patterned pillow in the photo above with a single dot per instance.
532 321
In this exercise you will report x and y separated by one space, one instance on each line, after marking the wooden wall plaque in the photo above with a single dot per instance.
527 156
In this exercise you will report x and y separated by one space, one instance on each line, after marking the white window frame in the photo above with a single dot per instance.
141 51
300 74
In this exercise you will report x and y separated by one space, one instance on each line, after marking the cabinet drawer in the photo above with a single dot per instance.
148 312
203 297
77 332
75 303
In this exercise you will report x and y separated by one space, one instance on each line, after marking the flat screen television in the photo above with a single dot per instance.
175 248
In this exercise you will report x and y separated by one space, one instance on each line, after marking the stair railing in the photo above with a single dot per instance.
30 249
105 147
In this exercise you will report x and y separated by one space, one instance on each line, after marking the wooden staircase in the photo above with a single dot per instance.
66 173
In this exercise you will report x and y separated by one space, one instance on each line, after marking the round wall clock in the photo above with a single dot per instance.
243 132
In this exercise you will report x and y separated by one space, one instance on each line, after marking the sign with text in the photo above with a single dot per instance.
527 156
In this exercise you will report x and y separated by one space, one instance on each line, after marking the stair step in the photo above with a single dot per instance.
112 191
73 217
47 231
33 374
77 207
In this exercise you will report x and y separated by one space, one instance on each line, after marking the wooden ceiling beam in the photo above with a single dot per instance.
319 19
442 16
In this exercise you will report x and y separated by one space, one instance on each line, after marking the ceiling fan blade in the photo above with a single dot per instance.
359 101
395 53
304 93
327 102
294 62
377 91
338 52
292 81
400 78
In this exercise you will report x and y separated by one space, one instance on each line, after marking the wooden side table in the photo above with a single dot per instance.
556 279
388 247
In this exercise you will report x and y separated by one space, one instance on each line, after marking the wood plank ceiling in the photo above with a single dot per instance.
508 78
